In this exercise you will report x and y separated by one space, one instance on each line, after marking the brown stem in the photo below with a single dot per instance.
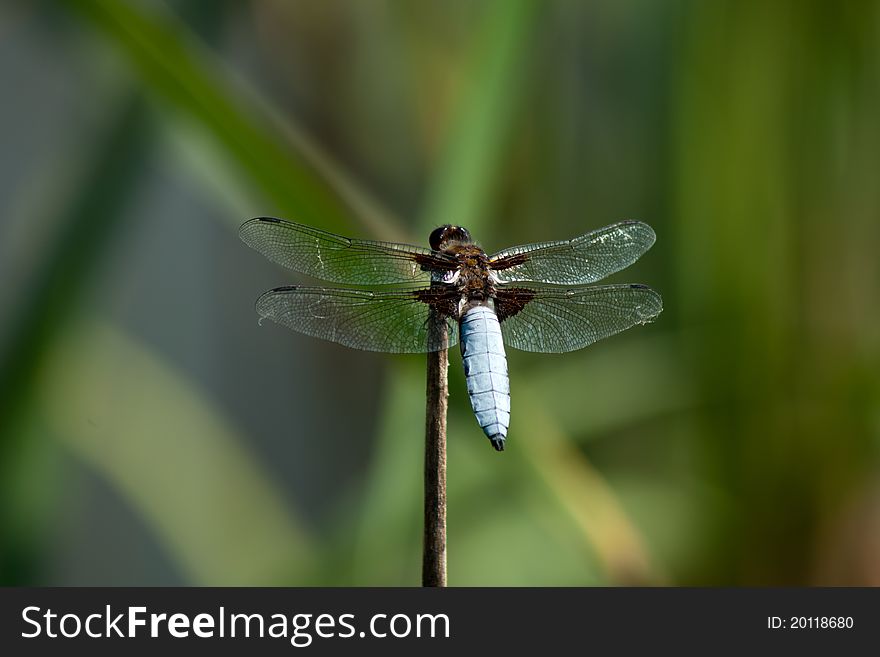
434 549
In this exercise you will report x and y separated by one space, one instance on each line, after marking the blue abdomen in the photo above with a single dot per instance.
485 368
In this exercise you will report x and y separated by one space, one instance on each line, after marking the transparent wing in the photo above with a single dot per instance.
556 320
585 259
394 321
330 257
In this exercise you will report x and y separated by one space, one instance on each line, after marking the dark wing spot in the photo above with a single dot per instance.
509 261
510 300
441 297
434 262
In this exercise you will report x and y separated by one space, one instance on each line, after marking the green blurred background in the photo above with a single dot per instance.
152 433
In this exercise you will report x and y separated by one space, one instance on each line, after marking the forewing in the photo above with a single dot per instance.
394 321
338 259
557 320
584 259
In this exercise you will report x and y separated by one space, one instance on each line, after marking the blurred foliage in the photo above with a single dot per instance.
735 441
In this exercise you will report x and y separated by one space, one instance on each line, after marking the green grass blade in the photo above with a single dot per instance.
468 168
300 181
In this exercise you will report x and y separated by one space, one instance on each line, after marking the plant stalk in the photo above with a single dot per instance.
434 548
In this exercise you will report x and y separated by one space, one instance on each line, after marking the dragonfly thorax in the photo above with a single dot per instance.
474 280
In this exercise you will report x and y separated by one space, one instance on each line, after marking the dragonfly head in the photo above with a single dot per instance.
443 237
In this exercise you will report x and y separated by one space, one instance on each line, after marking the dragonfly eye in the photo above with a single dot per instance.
441 237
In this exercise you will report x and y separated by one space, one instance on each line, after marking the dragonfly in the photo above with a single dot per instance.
535 297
